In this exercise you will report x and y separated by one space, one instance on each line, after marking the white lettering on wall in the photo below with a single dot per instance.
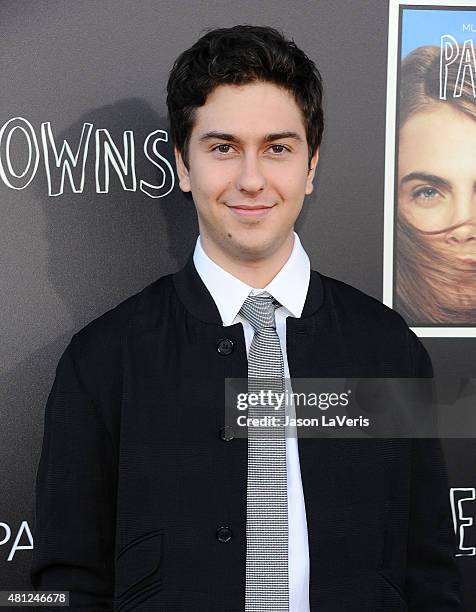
107 153
7 173
461 509
150 150
65 162
67 170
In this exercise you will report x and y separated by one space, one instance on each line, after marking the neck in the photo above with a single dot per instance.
256 272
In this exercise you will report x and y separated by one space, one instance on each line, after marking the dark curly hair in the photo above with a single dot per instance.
239 55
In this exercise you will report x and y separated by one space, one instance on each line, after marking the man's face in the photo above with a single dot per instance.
248 159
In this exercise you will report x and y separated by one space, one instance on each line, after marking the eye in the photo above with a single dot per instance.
426 192
426 195
279 146
219 147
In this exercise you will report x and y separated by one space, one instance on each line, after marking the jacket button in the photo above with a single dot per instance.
227 433
223 534
225 346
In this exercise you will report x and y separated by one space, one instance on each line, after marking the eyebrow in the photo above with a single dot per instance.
437 181
232 138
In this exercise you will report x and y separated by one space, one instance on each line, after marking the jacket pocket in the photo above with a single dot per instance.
137 567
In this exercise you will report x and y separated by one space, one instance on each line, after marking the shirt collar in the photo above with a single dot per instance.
289 286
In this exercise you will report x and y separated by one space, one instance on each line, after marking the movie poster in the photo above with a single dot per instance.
430 187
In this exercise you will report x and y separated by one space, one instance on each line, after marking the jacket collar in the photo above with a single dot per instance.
196 298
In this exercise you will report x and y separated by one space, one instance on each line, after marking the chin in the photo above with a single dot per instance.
251 251
250 246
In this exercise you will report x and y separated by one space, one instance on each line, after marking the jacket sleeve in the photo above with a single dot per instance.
433 582
75 508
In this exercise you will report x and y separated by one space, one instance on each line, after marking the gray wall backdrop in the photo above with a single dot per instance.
69 258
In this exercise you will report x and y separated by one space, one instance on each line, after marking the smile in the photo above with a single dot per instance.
254 212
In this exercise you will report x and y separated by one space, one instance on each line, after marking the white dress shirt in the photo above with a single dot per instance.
289 287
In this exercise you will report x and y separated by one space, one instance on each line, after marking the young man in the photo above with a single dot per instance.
146 500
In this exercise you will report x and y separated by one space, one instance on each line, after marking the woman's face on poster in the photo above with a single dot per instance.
437 178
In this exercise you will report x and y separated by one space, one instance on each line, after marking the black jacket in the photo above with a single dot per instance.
137 480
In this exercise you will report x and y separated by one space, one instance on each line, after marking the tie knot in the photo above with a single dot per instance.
259 310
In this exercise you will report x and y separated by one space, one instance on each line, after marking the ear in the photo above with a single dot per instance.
312 172
183 174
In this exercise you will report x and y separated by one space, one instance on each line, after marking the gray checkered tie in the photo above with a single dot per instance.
267 586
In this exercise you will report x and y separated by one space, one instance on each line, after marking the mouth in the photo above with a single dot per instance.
471 259
254 212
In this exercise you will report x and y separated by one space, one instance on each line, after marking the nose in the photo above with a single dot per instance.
464 232
250 177
463 223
